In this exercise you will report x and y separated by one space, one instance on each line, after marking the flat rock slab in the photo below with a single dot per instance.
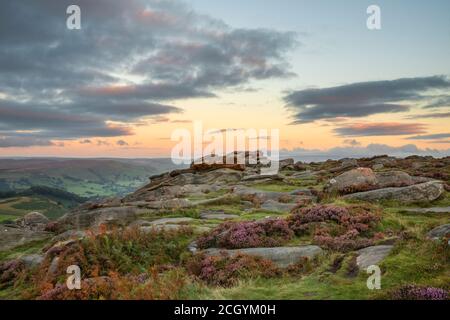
14 237
281 256
429 210
372 255
170 204
171 221
440 232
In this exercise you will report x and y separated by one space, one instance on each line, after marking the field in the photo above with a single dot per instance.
83 177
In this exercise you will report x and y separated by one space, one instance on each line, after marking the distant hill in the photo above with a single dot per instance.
83 177
49 201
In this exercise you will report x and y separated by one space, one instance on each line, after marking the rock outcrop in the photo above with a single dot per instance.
372 256
424 192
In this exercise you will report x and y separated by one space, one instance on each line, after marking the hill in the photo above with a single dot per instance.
83 177
50 201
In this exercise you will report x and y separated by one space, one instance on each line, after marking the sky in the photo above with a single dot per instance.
138 70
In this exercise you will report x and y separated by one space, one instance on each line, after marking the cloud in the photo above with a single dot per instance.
361 99
310 155
430 136
20 142
352 142
442 101
122 143
379 129
126 64
103 143
437 115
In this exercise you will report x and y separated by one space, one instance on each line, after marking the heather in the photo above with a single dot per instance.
124 253
249 234
223 270
151 285
413 292
335 227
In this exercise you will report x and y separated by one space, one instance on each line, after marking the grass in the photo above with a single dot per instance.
26 249
17 207
275 187
310 287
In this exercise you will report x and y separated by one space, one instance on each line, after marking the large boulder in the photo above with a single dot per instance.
424 192
286 164
281 256
372 256
355 180
33 221
398 179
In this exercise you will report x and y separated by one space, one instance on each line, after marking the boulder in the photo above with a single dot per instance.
345 164
424 192
300 166
34 221
286 163
355 180
32 260
372 256
393 179
441 232
281 256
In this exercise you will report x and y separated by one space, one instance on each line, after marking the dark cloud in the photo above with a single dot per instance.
352 142
24 141
442 101
379 129
128 58
430 136
102 143
122 143
361 99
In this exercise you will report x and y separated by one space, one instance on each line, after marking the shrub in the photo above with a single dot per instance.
224 270
250 234
9 271
147 286
130 251
412 292
337 228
